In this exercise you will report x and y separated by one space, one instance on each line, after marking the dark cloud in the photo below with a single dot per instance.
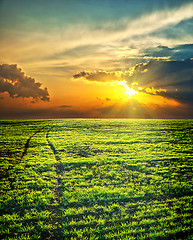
170 79
99 76
79 75
14 82
65 106
179 52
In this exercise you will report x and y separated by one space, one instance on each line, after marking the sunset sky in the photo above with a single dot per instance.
101 59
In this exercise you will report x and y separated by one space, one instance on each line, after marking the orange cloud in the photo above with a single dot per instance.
14 82
99 76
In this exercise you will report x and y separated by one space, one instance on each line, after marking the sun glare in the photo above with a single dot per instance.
130 91
126 91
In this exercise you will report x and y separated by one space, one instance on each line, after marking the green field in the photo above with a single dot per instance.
96 179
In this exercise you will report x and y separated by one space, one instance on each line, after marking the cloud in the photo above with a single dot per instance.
77 52
180 30
99 76
14 82
65 106
154 23
179 52
170 79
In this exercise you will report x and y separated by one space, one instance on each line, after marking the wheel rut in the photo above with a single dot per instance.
28 140
56 209
26 146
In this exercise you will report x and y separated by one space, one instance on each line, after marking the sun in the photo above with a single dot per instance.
126 92
130 91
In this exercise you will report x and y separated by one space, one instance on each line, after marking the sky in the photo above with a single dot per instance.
96 59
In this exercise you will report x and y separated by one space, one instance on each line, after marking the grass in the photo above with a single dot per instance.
96 179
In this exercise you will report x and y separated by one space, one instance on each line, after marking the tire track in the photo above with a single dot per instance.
26 146
56 209
28 140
